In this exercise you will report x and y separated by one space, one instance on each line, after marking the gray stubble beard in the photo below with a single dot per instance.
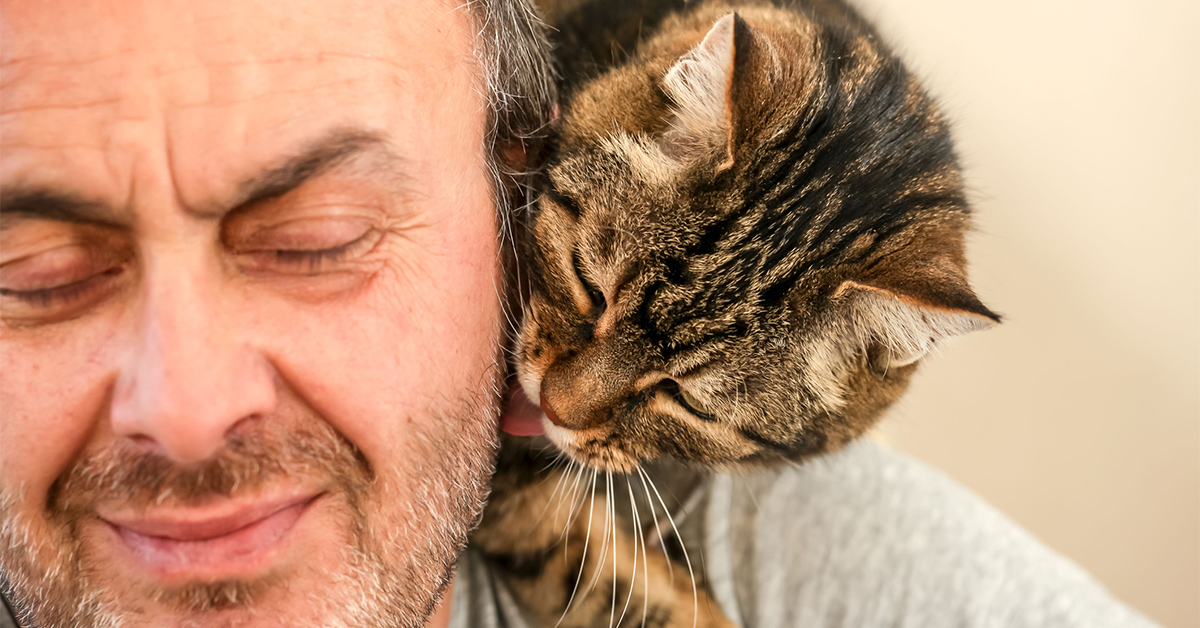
389 577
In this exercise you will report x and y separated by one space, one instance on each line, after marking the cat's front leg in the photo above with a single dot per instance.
572 562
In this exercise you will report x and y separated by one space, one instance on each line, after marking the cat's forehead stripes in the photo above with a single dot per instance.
644 160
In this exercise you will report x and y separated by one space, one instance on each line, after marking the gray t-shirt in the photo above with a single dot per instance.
860 539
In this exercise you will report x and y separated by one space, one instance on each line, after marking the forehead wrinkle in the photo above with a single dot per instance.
230 83
217 44
36 83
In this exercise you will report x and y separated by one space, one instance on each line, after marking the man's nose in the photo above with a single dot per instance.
189 376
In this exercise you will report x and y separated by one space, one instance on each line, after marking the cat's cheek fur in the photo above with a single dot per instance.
593 447
536 351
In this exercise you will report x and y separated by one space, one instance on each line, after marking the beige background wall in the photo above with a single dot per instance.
1079 125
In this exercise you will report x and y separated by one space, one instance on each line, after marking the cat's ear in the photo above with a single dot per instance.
909 315
701 86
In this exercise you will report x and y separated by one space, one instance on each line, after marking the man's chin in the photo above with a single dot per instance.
355 553
316 578
316 572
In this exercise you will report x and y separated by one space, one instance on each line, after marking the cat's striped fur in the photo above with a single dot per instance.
751 233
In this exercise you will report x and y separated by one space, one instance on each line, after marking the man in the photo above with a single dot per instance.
250 292
250 326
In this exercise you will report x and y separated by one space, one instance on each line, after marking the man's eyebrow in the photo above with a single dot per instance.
22 203
320 156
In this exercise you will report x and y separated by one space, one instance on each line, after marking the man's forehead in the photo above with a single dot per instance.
225 86
219 31
214 52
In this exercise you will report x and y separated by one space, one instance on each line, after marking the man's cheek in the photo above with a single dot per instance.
55 388
440 313
353 362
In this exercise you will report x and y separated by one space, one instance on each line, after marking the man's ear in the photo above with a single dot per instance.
528 154
514 155
701 86
909 316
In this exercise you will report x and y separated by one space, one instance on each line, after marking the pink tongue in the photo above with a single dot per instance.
520 416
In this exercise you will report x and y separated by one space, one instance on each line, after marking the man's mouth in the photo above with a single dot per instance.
225 540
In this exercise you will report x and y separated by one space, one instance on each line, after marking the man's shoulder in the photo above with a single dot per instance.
7 617
869 537
861 538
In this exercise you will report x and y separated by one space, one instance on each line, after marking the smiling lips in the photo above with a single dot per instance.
209 543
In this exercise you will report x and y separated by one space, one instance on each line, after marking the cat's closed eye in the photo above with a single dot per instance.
594 294
685 399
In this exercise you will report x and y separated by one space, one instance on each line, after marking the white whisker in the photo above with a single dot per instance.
604 545
560 485
557 486
657 529
633 577
582 561
612 507
686 559
572 508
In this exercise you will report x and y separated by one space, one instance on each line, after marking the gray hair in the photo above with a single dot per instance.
519 81
520 86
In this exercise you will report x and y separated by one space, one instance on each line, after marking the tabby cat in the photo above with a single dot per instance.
750 234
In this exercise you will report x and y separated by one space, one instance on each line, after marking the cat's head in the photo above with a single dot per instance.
752 233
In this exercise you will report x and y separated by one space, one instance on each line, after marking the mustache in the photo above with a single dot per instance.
131 475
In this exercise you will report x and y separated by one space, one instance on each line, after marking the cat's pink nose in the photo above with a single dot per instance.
550 411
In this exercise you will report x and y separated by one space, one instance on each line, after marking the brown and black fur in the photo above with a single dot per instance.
751 233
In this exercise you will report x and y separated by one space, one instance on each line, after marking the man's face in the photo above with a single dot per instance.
249 320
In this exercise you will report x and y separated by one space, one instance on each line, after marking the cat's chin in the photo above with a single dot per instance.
601 455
